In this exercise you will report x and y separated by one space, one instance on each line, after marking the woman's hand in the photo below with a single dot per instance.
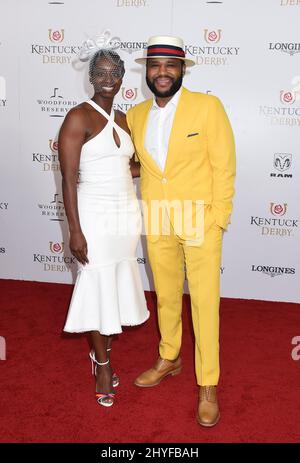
78 247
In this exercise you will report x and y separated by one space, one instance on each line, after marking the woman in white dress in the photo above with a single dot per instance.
95 153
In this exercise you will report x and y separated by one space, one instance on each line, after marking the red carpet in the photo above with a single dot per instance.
47 388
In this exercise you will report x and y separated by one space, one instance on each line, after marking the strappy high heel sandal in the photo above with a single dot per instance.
106 400
115 377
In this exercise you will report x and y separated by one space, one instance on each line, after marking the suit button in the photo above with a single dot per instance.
163 180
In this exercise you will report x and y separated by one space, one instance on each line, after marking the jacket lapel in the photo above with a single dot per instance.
147 158
181 125
180 128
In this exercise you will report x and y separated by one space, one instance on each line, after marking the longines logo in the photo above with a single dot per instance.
273 271
141 260
56 105
284 47
287 114
3 206
132 3
56 261
282 162
129 47
277 225
212 54
54 210
55 52
48 162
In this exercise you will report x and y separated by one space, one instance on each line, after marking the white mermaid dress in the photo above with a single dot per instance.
108 292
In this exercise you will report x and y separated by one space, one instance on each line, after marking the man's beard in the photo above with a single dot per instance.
173 89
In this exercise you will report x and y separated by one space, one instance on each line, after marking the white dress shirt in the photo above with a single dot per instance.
158 130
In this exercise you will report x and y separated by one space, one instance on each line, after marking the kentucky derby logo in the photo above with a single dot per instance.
278 209
287 97
282 161
129 94
56 36
56 248
212 36
53 145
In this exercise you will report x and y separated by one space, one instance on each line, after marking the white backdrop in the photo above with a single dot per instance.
247 53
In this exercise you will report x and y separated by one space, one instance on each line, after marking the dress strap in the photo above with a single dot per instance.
109 117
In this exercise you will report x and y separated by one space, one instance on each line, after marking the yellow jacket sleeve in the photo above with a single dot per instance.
221 152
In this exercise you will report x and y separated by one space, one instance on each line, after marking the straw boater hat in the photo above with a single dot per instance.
165 46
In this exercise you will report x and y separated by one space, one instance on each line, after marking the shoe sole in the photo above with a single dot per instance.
173 373
208 425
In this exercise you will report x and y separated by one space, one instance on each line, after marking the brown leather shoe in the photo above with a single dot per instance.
208 410
161 369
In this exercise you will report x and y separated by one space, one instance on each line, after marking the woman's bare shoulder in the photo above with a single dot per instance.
78 114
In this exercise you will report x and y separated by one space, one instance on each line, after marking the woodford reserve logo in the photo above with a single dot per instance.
54 210
56 105
132 3
277 225
215 53
3 206
290 3
56 51
56 261
48 162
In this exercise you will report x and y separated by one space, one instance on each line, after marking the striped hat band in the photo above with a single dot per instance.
165 50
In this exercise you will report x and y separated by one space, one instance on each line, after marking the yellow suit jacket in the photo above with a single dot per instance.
200 163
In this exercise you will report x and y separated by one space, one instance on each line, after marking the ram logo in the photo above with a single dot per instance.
282 161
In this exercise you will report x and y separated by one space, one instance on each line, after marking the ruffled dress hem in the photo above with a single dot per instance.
85 330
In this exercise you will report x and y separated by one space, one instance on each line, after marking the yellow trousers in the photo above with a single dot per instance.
168 256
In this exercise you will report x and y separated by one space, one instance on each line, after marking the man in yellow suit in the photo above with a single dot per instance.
185 147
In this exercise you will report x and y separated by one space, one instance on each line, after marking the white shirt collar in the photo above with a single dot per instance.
174 100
